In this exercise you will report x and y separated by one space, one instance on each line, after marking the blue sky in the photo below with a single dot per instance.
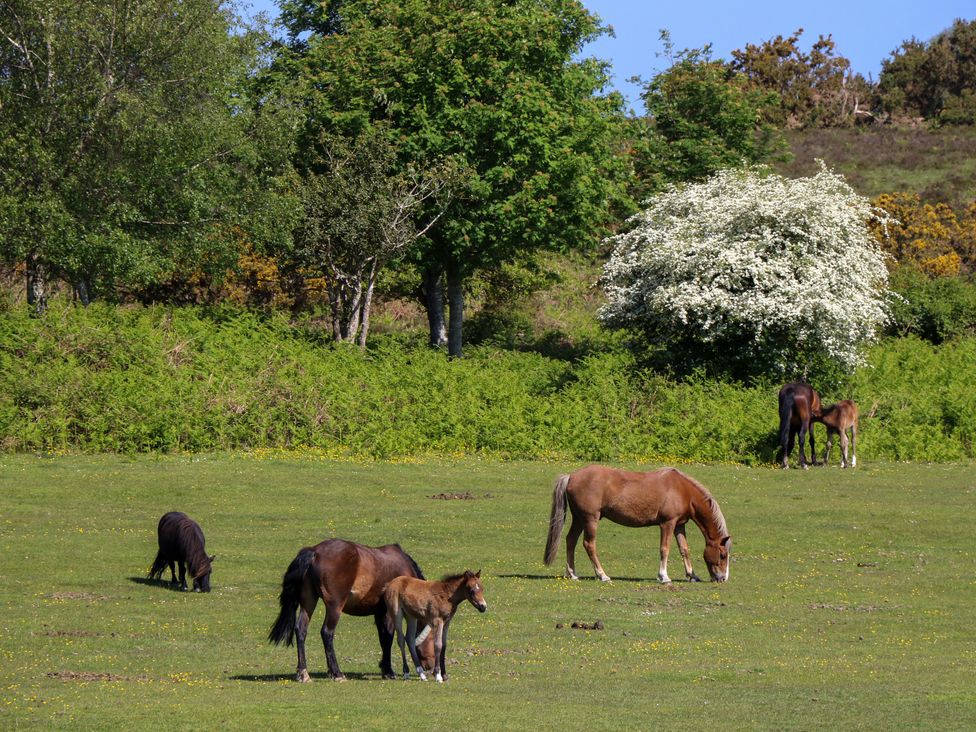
865 31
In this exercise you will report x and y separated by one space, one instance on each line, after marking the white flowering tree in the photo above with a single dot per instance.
751 273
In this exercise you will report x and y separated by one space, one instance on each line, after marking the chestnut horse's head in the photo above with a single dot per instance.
473 591
716 557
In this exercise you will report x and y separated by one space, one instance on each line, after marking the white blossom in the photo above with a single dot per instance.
784 266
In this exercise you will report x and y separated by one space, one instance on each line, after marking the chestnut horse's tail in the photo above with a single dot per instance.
557 518
283 631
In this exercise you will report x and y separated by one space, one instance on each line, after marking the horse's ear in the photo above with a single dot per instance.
726 540
478 573
213 558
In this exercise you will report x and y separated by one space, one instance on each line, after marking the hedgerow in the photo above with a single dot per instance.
133 379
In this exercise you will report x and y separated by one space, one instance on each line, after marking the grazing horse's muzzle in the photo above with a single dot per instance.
482 607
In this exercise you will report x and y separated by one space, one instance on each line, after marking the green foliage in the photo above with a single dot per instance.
934 79
108 379
936 309
128 151
702 117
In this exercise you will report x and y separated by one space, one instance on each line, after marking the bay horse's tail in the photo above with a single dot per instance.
557 518
786 405
283 631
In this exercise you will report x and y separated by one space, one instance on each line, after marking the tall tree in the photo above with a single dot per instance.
127 148
493 87
702 117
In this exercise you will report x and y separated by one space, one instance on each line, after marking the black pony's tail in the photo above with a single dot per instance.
283 630
158 565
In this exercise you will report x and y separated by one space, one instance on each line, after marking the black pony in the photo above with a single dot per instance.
181 540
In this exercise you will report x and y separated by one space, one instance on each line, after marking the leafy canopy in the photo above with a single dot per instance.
749 273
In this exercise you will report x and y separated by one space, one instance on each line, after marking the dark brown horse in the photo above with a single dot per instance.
798 402
349 578
181 542
838 418
433 604
665 497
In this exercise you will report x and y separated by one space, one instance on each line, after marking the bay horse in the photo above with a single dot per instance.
798 402
432 603
349 578
181 542
667 498
838 418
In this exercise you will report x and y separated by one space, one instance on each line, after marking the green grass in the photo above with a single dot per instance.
849 606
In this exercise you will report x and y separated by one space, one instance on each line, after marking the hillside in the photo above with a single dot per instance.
938 164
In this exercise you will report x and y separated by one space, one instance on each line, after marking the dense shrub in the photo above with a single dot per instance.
935 309
165 379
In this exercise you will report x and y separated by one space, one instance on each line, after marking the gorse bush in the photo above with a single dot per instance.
165 379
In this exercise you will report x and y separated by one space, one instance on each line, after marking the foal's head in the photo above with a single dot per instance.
473 593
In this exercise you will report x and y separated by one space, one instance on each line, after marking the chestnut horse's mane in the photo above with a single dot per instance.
717 516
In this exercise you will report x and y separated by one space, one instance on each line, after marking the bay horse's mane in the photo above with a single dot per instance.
413 563
716 512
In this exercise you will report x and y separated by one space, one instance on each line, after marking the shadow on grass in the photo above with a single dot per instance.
165 584
320 676
652 580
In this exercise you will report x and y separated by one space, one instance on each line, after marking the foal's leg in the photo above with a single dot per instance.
412 644
443 657
575 529
438 630
589 543
830 445
667 530
679 534
854 445
843 449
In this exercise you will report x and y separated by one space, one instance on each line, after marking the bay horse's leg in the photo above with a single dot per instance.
589 543
813 447
575 529
401 642
301 630
386 643
804 428
789 446
667 530
679 534
333 611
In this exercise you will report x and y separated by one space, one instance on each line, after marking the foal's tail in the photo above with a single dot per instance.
158 565
557 518
283 631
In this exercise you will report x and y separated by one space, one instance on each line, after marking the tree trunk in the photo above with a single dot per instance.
36 284
434 302
366 304
82 293
455 299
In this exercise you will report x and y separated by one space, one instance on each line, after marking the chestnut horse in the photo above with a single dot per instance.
838 418
798 402
350 579
666 497
432 603
181 542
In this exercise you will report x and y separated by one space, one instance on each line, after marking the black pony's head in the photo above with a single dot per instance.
201 580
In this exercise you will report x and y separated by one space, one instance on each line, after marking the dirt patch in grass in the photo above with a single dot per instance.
72 634
85 676
459 496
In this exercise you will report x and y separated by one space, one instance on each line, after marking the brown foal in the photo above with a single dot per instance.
838 418
432 604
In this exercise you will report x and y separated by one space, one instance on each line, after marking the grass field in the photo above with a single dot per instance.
850 604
